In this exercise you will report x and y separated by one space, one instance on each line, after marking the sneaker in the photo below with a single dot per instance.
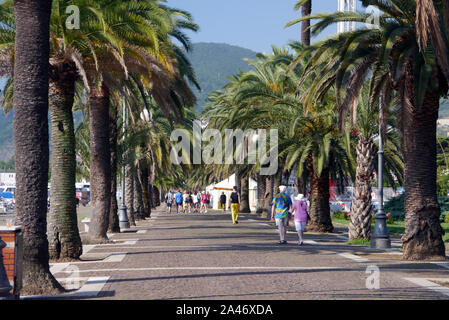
284 242
237 222
300 243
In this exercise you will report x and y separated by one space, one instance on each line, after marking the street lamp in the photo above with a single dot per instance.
381 237
123 216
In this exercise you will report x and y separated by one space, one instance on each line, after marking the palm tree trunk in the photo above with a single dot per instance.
143 174
261 187
423 232
31 56
305 32
156 197
138 203
238 180
100 163
114 223
62 229
320 217
244 193
277 182
267 197
151 196
361 208
129 194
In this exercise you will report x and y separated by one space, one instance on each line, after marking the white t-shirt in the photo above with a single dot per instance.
195 199
169 197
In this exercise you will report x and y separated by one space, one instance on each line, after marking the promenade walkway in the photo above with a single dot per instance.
205 256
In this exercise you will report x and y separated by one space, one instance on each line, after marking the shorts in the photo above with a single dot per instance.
284 221
179 203
300 226
168 204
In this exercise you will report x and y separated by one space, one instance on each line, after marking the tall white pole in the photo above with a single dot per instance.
346 5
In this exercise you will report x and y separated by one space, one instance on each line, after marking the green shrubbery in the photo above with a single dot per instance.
396 207
390 219
446 217
340 215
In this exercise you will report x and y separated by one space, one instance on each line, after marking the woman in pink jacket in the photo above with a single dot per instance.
300 211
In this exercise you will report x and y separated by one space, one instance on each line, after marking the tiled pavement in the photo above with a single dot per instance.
205 256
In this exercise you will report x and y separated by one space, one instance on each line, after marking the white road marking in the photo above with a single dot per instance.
353 257
212 268
230 246
442 264
142 231
119 243
91 288
310 242
88 247
428 284
58 267
115 258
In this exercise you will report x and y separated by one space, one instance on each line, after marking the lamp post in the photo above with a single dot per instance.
381 237
123 216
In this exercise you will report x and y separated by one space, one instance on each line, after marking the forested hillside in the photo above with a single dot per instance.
212 62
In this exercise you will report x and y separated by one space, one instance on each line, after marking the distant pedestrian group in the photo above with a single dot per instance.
283 208
187 201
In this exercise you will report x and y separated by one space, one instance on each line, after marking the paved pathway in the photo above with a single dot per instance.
205 256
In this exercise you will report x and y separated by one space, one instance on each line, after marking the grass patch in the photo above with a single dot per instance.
340 221
397 227
363 242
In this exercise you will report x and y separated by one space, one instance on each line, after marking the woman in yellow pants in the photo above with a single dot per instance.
235 202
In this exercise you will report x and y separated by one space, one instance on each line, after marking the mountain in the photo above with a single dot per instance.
214 63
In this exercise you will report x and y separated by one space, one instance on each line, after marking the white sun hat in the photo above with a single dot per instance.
299 197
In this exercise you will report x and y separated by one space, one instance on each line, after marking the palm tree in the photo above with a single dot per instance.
365 126
306 10
415 70
268 98
31 75
168 86
114 224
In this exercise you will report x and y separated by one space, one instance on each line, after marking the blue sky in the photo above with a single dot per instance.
252 24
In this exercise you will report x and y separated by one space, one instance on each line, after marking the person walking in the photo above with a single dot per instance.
169 200
178 199
190 201
203 202
207 200
235 203
185 201
199 200
281 207
300 211
223 201
195 202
